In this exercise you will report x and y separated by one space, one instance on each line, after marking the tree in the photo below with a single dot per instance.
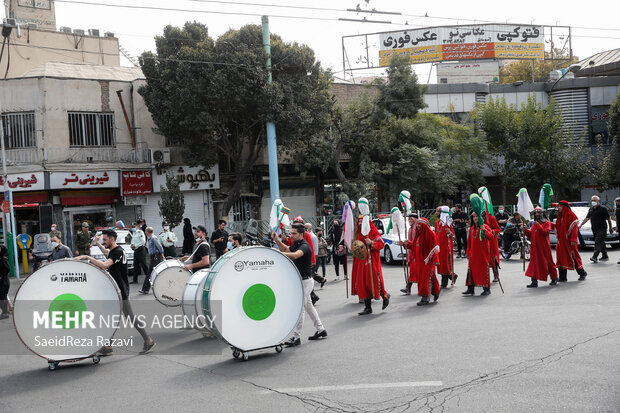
530 146
609 160
172 203
214 96
521 70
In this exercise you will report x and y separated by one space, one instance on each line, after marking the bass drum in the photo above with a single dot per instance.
168 279
66 310
192 299
252 298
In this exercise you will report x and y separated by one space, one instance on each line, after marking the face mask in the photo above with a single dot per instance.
53 229
594 203
501 211
198 239
54 245
166 228
229 245
133 230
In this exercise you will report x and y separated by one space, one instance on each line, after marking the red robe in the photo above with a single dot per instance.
411 255
567 231
493 246
541 262
479 256
361 283
426 259
444 235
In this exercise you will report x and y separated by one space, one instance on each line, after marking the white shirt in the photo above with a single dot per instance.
138 239
163 238
315 243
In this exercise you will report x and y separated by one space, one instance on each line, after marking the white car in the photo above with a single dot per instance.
581 210
392 251
95 252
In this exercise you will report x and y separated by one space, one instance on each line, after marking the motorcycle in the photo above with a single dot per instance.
516 246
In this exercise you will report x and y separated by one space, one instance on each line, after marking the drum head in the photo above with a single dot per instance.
169 279
259 294
53 306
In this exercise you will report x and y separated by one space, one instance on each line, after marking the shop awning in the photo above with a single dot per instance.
94 197
38 197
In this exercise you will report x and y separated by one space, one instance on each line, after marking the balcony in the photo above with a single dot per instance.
59 155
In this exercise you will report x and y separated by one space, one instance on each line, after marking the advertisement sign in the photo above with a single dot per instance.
136 183
190 178
487 41
27 181
84 180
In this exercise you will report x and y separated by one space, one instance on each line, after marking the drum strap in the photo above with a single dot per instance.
190 257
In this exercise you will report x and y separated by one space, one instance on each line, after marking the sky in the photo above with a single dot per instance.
595 26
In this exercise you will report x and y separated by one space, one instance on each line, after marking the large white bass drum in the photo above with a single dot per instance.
169 278
252 298
67 310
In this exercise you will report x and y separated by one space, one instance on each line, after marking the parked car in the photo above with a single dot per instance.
95 252
392 251
581 210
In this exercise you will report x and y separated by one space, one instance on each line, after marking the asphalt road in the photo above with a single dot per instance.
552 349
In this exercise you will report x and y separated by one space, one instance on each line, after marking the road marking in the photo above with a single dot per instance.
354 387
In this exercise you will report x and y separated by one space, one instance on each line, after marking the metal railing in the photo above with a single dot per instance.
56 155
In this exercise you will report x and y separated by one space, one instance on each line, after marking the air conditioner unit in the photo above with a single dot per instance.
109 34
10 22
78 32
65 29
93 32
160 155
31 26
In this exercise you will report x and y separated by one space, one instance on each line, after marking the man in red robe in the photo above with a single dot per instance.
493 245
567 253
426 259
479 256
410 246
541 261
367 274
444 234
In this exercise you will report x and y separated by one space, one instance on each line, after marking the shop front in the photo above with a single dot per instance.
89 197
30 202
197 185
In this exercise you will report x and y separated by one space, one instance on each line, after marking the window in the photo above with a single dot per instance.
19 131
91 129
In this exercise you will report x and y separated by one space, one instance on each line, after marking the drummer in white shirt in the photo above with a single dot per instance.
168 240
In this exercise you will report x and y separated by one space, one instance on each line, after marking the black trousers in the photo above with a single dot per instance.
338 260
4 292
461 239
139 263
599 242
320 261
155 259
509 238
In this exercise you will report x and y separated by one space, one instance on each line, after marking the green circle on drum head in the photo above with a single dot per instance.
259 301
68 304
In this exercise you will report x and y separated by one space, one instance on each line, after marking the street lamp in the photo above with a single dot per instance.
575 67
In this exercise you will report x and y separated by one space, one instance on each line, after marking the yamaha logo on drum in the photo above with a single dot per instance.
253 265
72 277
53 277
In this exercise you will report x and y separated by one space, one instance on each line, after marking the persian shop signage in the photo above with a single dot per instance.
31 181
136 183
190 178
84 180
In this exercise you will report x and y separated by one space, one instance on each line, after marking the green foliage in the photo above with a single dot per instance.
609 164
172 203
213 96
530 146
521 70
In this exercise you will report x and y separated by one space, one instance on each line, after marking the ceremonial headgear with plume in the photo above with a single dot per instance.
362 205
524 204
544 199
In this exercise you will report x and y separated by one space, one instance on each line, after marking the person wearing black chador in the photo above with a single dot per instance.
188 237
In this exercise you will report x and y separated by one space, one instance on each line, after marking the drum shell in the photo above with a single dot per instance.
36 282
192 296
289 305
173 271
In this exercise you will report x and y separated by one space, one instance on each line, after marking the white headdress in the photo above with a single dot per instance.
362 205
348 222
524 205
277 218
445 216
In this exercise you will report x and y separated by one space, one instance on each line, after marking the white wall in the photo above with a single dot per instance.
301 201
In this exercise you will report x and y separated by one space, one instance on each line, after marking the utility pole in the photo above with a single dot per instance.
272 146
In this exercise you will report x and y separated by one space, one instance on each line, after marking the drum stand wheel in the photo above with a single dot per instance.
279 348
236 354
96 359
52 365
